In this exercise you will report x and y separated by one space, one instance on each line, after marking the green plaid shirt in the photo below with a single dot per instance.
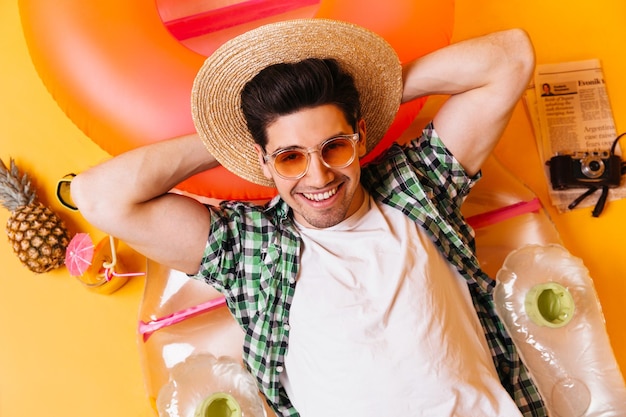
253 255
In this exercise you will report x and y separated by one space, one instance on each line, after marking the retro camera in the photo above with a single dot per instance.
585 170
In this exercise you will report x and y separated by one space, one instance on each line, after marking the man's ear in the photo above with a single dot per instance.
264 166
362 147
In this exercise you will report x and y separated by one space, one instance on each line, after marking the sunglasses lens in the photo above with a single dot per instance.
290 163
338 152
63 192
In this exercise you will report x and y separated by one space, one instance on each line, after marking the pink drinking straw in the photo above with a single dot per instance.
109 271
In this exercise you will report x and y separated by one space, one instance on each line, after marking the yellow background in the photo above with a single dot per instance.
65 351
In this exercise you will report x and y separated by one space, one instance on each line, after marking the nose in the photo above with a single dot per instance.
318 174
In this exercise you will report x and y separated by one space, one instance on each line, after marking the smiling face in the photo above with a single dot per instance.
324 196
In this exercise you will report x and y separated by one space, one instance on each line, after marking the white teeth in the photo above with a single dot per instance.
321 196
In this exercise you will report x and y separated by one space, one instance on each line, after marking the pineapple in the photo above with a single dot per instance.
38 236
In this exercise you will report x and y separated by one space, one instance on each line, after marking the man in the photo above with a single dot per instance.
357 288
547 90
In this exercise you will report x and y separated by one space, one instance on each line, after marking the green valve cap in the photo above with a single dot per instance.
550 305
219 404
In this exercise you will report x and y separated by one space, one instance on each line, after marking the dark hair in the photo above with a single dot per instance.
283 89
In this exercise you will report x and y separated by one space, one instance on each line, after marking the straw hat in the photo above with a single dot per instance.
216 102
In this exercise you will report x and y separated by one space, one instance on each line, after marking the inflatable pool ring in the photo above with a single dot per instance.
549 306
125 81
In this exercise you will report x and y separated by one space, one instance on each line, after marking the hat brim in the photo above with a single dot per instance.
216 101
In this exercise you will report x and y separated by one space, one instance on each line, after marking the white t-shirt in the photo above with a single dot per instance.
381 325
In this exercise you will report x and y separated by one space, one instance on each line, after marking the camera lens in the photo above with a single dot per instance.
592 166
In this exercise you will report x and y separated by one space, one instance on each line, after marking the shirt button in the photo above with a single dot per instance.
292 280
279 369
505 368
287 327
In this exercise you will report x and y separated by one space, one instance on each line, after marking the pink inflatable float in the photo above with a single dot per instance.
125 80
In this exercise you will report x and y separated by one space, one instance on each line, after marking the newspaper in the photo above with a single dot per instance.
570 112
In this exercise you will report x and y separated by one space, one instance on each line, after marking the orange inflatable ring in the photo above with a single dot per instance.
124 79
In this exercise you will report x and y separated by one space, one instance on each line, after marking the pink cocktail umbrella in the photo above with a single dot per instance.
79 254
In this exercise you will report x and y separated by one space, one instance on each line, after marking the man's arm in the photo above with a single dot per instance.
485 77
127 197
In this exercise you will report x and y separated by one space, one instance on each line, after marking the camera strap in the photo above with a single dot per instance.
582 197
599 207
